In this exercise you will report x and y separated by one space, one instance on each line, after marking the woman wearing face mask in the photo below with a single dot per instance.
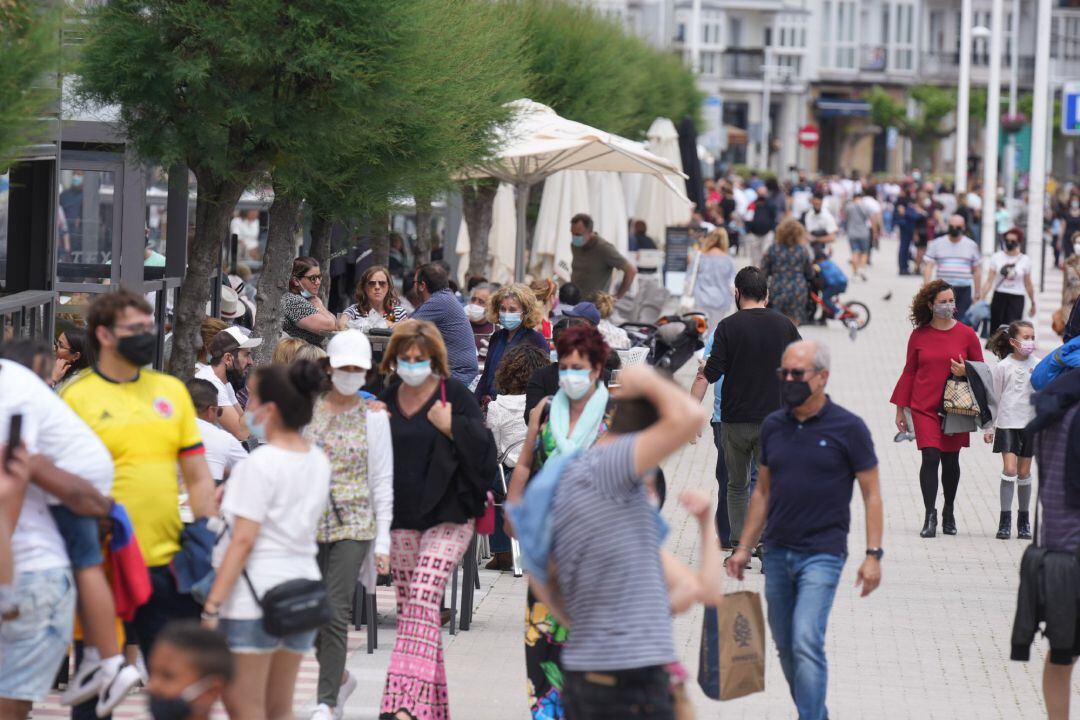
515 309
442 454
354 530
937 348
376 303
1009 280
483 329
271 508
570 421
303 314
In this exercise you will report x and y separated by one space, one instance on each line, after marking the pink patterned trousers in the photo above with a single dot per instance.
420 564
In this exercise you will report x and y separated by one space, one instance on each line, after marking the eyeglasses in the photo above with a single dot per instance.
57 346
796 374
314 278
377 283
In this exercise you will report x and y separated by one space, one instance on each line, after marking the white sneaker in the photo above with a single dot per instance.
322 712
347 689
115 689
85 684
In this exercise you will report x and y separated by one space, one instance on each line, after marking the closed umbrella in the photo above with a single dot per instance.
695 187
655 204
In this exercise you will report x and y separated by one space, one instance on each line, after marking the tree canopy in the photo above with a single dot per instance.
29 49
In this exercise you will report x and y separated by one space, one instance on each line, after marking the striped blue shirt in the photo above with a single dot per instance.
607 547
955 260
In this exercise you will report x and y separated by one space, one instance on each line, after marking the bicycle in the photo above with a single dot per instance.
853 314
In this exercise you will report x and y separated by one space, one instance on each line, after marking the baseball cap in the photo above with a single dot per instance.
585 311
350 347
230 340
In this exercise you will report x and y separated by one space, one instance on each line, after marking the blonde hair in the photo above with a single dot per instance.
286 350
604 302
717 238
419 333
790 232
530 308
307 351
544 289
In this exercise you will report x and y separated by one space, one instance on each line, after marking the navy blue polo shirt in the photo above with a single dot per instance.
812 466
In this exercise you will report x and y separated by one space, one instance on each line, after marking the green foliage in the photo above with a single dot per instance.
29 49
587 68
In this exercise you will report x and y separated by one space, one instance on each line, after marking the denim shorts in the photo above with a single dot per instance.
248 636
33 645
80 535
859 245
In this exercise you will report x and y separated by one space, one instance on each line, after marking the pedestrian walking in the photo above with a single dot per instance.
747 349
821 225
857 227
271 510
1015 345
908 216
812 453
439 306
303 314
569 422
444 461
354 530
1009 279
515 309
594 260
713 275
189 670
957 260
937 349
606 547
759 229
788 268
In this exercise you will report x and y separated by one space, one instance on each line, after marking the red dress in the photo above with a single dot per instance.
923 381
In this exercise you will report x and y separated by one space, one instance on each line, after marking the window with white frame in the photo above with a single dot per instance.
826 32
710 64
711 26
846 14
903 50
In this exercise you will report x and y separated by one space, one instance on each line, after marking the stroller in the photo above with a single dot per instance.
671 340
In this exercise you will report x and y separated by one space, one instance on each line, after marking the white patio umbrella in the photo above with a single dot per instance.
537 143
654 203
566 193
500 239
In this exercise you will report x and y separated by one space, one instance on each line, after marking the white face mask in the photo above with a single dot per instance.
413 373
475 313
575 383
347 383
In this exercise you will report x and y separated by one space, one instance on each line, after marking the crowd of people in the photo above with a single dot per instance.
206 535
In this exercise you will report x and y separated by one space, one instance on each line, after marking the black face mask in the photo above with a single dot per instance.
955 231
795 392
1011 245
169 708
138 349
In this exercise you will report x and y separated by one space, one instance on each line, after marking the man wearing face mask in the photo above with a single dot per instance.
595 259
146 419
189 669
957 260
230 360
812 451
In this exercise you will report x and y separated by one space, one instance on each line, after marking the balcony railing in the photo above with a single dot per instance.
744 64
26 314
947 65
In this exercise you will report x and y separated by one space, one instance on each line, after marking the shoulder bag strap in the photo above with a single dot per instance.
243 570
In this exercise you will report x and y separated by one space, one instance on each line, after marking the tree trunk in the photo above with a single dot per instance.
478 202
423 229
276 270
380 240
214 205
322 229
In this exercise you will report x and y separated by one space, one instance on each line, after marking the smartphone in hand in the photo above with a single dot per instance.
14 437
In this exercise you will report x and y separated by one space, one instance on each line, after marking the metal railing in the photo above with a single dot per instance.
27 314
744 64
947 64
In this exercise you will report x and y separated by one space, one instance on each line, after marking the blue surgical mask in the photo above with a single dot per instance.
578 240
554 354
258 430
575 383
413 373
76 181
510 320
305 294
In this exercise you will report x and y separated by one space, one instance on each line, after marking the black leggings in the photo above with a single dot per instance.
928 476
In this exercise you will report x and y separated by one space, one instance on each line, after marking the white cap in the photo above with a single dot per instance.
349 347
243 339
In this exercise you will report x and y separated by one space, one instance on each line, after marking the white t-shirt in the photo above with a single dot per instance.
223 450
286 493
52 429
1012 388
820 221
226 396
1011 271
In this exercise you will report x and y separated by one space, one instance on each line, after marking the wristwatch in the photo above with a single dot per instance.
875 553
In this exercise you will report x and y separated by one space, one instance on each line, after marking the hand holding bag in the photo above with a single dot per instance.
732 653
959 397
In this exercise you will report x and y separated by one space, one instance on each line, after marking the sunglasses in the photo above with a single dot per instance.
793 373
314 278
377 283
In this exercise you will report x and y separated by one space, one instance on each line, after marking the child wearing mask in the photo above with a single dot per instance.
189 669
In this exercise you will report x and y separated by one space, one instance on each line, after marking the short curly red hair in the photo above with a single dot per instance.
585 340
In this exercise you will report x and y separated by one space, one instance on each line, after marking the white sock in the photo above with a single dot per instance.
91 655
112 664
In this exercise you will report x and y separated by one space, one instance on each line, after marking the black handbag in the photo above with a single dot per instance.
294 606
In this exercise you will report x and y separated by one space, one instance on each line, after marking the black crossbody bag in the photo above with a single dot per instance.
294 606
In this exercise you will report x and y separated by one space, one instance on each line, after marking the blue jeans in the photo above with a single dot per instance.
828 296
799 590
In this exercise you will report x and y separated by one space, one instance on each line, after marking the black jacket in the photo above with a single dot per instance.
1049 590
1051 404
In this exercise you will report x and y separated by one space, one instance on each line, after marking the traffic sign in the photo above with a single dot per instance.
1070 108
809 136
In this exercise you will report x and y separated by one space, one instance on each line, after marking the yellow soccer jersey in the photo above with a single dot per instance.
147 425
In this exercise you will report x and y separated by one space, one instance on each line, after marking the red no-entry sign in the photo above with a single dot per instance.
809 136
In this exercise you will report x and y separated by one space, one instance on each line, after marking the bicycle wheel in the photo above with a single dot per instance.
858 312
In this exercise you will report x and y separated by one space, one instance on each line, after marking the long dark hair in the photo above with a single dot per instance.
921 314
999 342
79 342
300 267
292 388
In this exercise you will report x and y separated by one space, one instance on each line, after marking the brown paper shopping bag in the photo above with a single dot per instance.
732 659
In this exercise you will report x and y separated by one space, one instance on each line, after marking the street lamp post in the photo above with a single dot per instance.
1014 72
1039 134
963 100
993 117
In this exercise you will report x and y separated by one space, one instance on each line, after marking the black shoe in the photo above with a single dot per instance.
948 520
1023 527
929 528
1005 526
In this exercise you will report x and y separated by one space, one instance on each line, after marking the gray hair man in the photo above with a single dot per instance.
812 451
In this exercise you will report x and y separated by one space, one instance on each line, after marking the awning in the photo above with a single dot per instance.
840 107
